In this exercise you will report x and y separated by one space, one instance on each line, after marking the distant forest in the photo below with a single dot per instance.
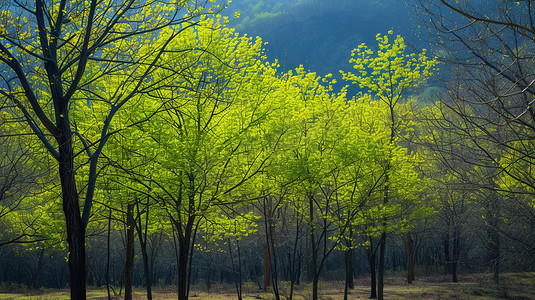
304 33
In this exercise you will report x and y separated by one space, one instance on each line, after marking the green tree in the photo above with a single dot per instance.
389 74
53 51
201 141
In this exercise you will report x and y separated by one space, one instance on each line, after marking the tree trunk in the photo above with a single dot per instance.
108 257
456 253
381 273
143 246
314 248
373 276
411 255
382 242
267 268
129 261
40 258
294 265
315 281
349 269
236 270
349 283
447 254
273 259
183 270
186 240
146 269
71 209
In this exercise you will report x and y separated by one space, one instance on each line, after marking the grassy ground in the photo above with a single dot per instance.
512 286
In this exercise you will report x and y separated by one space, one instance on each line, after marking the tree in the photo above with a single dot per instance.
488 49
53 51
204 141
18 184
389 74
491 62
231 230
315 137
360 153
489 44
461 171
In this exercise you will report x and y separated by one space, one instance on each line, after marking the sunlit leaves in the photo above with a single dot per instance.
388 72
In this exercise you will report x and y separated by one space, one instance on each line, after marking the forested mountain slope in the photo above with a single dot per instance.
319 34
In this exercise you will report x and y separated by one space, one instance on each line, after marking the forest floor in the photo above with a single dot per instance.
512 286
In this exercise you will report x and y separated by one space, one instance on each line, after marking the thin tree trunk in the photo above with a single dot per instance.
456 254
142 236
40 259
382 242
293 263
349 284
447 254
235 270
129 261
268 223
349 268
373 276
239 267
108 254
313 246
267 269
381 273
411 255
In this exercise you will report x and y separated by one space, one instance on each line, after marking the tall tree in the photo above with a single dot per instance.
204 142
389 74
47 50
488 48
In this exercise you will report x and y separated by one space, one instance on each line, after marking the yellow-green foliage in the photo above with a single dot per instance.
389 72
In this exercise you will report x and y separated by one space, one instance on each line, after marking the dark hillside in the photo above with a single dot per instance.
319 34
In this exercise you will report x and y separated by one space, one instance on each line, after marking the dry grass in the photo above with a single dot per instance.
512 286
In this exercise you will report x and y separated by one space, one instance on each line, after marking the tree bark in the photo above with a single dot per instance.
108 256
373 276
40 258
71 209
236 270
411 256
350 284
267 268
186 238
447 254
183 268
129 261
142 236
314 256
381 267
294 265
456 253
